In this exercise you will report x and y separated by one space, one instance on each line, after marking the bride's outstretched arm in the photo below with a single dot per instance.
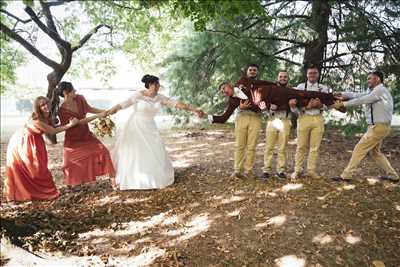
199 112
127 103
114 109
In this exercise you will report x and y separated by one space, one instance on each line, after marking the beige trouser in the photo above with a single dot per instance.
247 129
310 129
370 142
277 132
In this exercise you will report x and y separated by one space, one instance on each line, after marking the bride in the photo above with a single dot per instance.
139 156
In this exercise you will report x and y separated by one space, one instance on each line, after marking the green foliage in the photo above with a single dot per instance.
202 60
203 12
354 124
142 29
394 86
30 3
10 57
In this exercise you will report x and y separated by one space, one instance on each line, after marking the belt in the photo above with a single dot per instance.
280 115
312 115
379 123
249 112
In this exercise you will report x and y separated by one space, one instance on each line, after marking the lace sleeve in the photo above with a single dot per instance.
131 100
166 101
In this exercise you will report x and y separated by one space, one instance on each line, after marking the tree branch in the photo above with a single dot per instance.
272 3
351 53
338 66
288 60
125 7
285 49
89 35
53 35
224 32
28 46
58 3
273 38
252 24
51 25
15 17
293 17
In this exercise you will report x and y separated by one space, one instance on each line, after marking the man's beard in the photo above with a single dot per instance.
282 84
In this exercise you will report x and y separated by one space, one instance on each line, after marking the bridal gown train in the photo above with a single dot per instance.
139 155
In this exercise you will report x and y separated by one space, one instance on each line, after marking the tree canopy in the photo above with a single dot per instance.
197 44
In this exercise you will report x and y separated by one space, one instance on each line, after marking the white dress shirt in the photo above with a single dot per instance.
312 87
378 101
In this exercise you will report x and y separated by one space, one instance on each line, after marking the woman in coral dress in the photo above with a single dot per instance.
28 177
85 157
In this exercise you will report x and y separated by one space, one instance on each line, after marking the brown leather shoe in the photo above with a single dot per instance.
389 178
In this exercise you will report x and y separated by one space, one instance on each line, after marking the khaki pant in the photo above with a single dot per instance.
277 132
247 129
370 142
310 130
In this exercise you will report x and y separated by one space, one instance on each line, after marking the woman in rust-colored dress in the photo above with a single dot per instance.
28 177
85 157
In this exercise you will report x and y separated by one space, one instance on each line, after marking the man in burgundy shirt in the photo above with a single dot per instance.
247 123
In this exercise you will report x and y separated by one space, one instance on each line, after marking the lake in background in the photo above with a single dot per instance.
12 118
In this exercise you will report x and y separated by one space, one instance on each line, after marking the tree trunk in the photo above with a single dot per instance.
319 22
53 79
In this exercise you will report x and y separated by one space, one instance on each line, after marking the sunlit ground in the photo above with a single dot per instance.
209 219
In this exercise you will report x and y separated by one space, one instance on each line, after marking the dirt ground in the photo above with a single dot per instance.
209 219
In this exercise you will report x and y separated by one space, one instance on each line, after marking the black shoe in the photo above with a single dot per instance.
389 178
340 180
265 176
281 175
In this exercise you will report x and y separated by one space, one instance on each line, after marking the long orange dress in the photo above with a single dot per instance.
28 177
85 157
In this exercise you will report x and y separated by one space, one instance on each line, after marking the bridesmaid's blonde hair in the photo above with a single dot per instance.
37 113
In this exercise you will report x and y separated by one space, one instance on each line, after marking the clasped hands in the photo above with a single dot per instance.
339 100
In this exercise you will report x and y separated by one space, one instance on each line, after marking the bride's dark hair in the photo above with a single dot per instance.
148 79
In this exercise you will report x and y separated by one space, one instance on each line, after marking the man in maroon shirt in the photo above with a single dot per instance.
247 123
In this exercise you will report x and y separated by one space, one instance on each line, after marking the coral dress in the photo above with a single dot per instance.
28 177
85 157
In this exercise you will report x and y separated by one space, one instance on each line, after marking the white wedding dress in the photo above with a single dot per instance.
139 156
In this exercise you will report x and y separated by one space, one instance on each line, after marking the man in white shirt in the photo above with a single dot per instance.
310 126
277 132
379 110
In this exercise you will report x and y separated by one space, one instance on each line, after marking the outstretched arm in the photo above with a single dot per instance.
127 103
55 130
188 107
232 105
114 109
370 98
95 110
91 118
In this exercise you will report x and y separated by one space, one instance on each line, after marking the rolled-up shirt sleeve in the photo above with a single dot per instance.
131 100
233 103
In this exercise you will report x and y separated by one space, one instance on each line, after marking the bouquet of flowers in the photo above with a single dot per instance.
103 126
